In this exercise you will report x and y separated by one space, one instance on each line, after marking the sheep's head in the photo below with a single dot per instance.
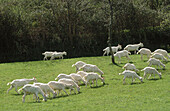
160 75
141 44
35 80
119 46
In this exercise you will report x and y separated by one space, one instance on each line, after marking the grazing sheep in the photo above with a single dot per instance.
153 61
32 89
60 76
133 47
70 81
91 68
47 54
129 66
20 82
114 49
163 52
159 56
60 86
129 74
150 70
122 53
46 88
93 76
58 55
78 65
82 73
77 77
144 51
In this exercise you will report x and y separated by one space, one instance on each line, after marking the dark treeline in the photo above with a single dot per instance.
79 27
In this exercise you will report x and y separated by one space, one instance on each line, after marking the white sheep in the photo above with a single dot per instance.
20 82
123 53
144 51
129 66
46 88
133 47
60 76
150 70
47 54
91 68
32 89
163 52
77 77
114 49
153 61
93 76
78 65
70 81
82 73
129 74
159 56
58 55
60 86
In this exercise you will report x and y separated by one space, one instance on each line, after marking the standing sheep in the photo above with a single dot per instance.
128 73
77 77
78 65
159 56
58 55
123 53
153 61
144 51
150 70
163 52
114 49
133 47
129 66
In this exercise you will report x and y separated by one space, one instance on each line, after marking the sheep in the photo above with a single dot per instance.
77 77
159 56
46 88
58 55
82 73
60 76
133 47
122 53
129 66
151 70
93 76
114 49
91 68
20 82
144 51
78 65
163 52
60 86
153 61
47 54
32 89
70 81
128 73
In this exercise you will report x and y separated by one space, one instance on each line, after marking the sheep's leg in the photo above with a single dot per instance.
135 52
160 66
37 97
154 76
96 83
16 89
124 80
104 53
23 97
144 76
149 76
141 56
65 91
119 60
10 88
132 79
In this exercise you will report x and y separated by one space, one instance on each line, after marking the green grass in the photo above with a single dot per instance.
152 95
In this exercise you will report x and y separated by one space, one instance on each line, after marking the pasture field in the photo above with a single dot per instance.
152 95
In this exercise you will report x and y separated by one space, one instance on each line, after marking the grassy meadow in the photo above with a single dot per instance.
152 95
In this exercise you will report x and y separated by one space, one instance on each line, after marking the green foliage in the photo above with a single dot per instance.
153 94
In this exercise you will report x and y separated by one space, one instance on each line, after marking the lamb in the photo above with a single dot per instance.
153 61
78 65
122 53
128 73
20 82
93 76
58 55
133 47
163 52
60 86
129 66
91 68
32 89
60 76
159 56
70 81
82 73
114 49
151 70
47 54
144 51
77 77
46 88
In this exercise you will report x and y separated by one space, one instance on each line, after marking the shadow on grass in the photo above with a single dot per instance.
18 94
137 83
99 86
154 79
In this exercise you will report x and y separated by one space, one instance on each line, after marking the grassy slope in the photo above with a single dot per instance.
151 95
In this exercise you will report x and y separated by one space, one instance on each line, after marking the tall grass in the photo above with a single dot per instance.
152 95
